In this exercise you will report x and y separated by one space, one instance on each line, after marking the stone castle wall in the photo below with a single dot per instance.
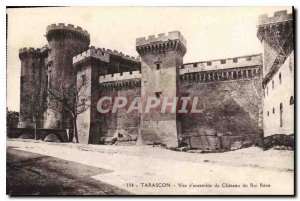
229 91
127 124
95 65
231 111
230 96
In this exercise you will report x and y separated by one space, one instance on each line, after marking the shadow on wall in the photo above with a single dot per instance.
228 116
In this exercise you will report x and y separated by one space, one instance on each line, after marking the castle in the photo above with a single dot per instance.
232 91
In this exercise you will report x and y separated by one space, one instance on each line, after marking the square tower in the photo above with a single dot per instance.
161 58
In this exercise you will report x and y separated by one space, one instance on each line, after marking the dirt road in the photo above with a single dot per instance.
34 174
154 170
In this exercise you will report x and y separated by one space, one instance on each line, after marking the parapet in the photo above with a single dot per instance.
279 16
120 76
173 35
103 54
91 52
219 64
62 26
29 52
115 52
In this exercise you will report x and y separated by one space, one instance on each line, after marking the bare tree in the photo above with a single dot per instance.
35 104
69 97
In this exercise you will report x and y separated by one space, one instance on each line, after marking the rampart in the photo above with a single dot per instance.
62 26
236 62
91 52
120 76
29 52
173 35
102 54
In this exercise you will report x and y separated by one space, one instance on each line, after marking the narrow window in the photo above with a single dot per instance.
83 77
157 66
235 60
273 110
279 78
130 72
268 113
223 61
292 100
281 111
267 91
272 84
209 63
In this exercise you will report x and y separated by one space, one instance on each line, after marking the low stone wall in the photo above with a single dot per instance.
41 133
219 142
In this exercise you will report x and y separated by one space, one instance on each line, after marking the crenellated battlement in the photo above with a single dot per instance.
279 16
63 30
92 52
219 64
173 35
120 76
115 52
102 54
230 74
174 41
274 30
67 27
29 52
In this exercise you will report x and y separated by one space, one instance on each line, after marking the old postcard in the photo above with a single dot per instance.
150 101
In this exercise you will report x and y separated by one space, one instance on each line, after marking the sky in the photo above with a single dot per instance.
211 32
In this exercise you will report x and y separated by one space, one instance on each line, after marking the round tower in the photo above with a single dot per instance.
30 85
65 42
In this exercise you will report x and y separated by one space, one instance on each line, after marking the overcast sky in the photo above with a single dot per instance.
211 32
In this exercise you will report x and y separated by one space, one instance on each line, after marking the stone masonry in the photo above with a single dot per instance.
229 90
